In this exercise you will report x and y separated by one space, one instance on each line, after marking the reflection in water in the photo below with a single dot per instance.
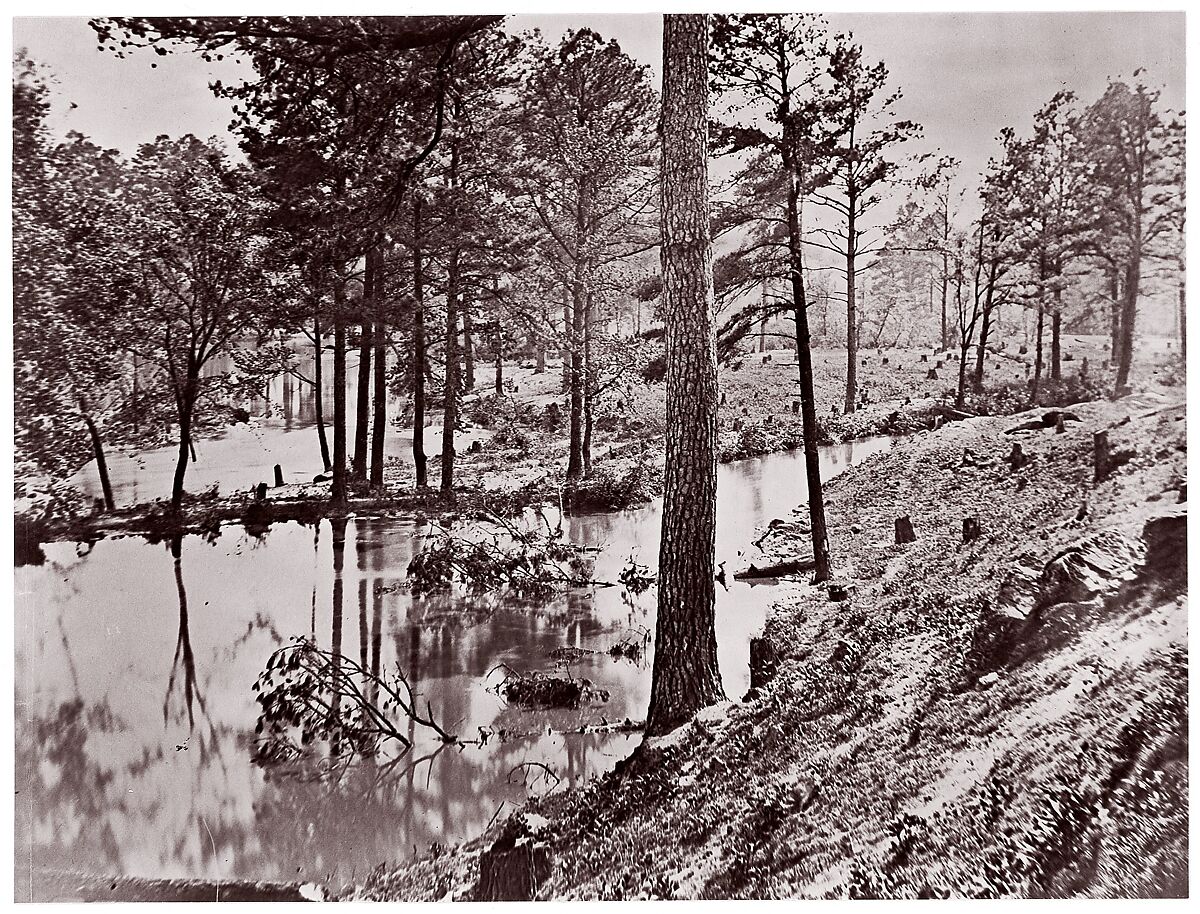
103 787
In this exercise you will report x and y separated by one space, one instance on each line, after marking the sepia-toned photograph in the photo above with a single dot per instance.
625 456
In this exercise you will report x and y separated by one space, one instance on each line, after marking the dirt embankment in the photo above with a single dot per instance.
1005 716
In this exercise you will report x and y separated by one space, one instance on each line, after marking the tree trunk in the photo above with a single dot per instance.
418 353
1114 328
1183 322
1038 361
579 291
568 324
851 317
589 385
101 462
1128 317
686 677
762 324
358 465
450 412
981 350
469 349
379 419
136 397
186 403
1056 338
808 399
318 388
498 339
338 489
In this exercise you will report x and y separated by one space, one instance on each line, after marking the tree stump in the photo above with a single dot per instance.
932 375
1083 369
795 407
260 492
764 662
1060 426
1022 349
514 867
766 358
939 364
970 529
924 357
1100 455
904 531
1017 458
278 475
722 398
885 361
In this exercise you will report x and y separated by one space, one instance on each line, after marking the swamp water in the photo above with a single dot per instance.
135 712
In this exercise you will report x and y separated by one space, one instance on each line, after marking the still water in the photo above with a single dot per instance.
135 715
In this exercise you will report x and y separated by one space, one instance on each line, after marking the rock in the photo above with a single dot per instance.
989 680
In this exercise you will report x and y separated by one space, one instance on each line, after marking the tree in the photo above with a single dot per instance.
200 271
74 268
1127 143
586 174
782 92
858 164
686 676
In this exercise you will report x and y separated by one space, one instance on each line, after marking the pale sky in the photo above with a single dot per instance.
964 75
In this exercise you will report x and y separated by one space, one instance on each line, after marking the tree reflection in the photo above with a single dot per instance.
183 666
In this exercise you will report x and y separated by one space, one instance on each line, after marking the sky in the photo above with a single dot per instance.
964 75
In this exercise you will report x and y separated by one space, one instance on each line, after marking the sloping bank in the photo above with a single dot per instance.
1001 717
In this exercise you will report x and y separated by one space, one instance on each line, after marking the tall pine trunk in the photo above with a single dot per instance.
1129 301
419 354
379 419
589 384
686 677
358 465
319 391
469 347
851 319
338 489
808 398
578 308
450 412
1056 337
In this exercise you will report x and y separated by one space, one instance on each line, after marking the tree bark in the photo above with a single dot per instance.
379 419
450 410
469 348
851 310
418 353
318 388
1129 301
1038 361
589 384
1056 338
685 676
186 403
101 462
338 489
575 465
358 466
568 326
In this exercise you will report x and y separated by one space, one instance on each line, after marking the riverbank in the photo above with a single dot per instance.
516 448
996 717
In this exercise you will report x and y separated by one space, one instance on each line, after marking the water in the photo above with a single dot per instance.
135 714
282 431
